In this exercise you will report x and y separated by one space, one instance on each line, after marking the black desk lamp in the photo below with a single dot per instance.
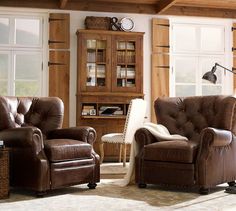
210 76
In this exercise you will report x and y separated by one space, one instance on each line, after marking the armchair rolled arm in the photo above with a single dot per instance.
144 137
81 133
216 137
23 137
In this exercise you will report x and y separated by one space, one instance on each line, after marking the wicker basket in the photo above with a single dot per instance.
4 173
101 23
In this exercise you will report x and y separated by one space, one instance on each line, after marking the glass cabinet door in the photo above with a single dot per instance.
125 70
97 63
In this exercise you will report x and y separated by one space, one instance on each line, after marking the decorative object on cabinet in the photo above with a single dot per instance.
102 23
134 119
110 75
127 24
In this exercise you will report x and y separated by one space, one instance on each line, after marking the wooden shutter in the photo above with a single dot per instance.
59 59
234 56
59 31
59 79
160 61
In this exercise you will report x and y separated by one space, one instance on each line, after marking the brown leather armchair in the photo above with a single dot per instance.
207 159
42 155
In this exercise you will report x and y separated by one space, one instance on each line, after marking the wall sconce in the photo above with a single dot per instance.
210 76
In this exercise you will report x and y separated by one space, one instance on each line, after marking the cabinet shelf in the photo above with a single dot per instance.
103 117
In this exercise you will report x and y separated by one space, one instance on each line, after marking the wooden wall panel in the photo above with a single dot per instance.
59 79
160 36
59 31
59 59
234 55
160 62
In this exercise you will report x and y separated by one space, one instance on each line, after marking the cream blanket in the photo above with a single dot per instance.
159 131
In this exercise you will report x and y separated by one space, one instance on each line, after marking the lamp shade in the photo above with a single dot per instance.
210 76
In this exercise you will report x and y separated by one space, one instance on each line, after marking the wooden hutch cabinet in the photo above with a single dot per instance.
110 74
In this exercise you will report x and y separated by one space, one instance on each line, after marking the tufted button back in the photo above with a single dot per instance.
46 113
187 116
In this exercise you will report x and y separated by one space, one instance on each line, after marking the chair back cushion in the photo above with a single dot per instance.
134 119
188 116
46 113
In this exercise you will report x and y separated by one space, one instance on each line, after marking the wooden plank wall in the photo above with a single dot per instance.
160 62
59 59
234 56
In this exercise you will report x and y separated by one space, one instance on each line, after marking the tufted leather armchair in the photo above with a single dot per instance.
207 159
42 155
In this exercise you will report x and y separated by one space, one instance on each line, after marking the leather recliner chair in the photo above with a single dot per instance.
42 155
206 159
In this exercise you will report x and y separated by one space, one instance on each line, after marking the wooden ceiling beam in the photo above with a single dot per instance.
103 6
163 5
63 4
201 12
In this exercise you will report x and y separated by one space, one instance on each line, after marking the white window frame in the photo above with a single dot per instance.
226 54
13 48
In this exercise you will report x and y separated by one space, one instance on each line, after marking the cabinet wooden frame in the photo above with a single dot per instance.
109 94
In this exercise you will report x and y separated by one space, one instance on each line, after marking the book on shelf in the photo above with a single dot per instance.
109 110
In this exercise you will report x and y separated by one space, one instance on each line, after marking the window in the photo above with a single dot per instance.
196 47
21 55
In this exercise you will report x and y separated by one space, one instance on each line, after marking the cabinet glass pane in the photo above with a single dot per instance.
27 31
3 66
96 62
212 39
211 90
125 69
185 90
4 31
185 71
185 38
91 73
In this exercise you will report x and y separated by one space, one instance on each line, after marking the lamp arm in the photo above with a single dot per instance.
216 64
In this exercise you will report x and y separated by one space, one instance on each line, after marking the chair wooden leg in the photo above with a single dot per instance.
124 155
120 152
101 149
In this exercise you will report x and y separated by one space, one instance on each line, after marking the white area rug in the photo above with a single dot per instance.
108 196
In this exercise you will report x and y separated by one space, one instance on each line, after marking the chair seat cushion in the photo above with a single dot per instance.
171 151
113 138
66 149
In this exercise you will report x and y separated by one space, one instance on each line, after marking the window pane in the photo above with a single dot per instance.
185 38
185 70
212 39
211 90
4 31
3 66
28 66
26 88
27 31
3 87
184 90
